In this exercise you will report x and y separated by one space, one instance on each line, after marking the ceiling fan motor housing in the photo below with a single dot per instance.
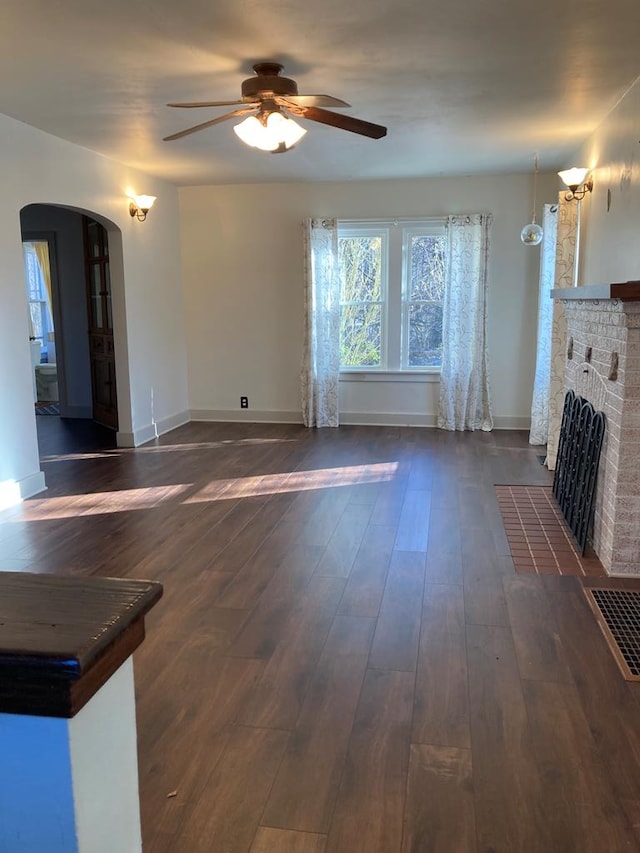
267 82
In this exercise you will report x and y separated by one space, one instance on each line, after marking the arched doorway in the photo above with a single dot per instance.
83 329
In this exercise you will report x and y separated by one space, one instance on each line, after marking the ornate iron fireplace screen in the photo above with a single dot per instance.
579 449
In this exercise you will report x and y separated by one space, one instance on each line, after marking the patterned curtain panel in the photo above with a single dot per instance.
464 384
320 373
540 402
565 259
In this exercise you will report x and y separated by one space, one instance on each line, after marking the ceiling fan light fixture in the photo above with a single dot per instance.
269 99
272 134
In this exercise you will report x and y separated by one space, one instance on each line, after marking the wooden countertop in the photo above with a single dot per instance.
626 291
62 638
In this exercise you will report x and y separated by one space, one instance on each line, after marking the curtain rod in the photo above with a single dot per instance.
394 220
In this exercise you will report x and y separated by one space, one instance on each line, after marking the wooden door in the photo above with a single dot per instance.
101 350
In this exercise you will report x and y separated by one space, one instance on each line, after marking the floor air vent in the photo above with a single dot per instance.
618 613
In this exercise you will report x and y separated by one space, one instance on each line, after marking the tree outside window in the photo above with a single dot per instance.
361 303
393 280
424 293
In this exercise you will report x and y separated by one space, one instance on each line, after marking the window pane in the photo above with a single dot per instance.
96 296
360 268
107 287
360 335
32 270
426 268
93 235
36 319
425 335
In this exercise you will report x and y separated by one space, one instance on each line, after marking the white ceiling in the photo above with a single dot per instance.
464 86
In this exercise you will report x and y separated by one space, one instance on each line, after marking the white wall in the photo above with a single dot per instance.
148 313
242 266
611 240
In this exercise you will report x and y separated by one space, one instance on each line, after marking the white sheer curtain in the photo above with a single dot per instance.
540 401
321 359
464 383
564 275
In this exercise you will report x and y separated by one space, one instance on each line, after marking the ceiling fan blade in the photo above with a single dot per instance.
209 123
196 104
313 101
353 125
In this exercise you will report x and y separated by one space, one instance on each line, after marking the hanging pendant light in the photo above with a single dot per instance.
531 234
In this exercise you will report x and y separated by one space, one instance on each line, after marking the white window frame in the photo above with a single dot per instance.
396 236
431 229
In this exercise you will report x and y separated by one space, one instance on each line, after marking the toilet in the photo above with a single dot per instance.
47 382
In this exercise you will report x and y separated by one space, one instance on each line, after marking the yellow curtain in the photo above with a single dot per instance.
42 254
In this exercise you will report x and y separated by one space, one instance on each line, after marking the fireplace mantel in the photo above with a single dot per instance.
627 291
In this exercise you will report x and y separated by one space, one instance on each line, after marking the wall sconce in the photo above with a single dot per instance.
140 205
574 178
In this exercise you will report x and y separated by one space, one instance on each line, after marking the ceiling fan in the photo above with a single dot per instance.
268 100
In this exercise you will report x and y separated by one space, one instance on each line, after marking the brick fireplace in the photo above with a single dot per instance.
603 366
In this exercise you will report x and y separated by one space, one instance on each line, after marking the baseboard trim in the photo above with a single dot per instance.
512 423
405 419
252 416
32 485
152 431
13 492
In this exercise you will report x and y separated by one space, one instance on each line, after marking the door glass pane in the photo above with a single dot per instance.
93 235
96 296
107 288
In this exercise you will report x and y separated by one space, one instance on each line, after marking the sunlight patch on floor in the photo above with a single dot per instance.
296 481
166 448
127 500
98 503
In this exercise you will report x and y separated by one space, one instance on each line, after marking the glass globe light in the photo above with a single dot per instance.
531 235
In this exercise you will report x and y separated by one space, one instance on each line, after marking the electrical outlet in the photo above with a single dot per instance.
244 402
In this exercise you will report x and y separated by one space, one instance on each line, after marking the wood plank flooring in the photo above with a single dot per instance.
344 660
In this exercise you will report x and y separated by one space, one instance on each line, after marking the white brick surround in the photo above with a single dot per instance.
611 326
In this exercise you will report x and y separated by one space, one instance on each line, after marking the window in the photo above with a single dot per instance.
363 274
392 286
36 266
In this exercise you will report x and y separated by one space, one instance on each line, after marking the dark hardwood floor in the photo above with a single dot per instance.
344 660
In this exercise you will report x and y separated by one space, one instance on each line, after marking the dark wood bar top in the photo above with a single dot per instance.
625 291
62 638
